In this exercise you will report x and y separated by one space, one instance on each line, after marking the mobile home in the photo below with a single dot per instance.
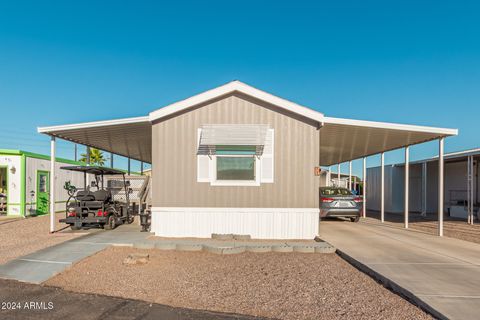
461 190
236 159
25 180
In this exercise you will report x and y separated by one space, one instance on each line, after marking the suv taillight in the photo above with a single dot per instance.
358 199
327 200
100 213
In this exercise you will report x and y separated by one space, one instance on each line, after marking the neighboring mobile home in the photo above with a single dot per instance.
462 186
236 159
25 180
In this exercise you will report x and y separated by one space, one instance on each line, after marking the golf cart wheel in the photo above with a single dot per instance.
130 219
355 219
111 223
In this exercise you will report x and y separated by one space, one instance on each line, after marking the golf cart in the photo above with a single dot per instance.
95 204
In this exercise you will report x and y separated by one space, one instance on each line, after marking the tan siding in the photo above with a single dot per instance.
175 163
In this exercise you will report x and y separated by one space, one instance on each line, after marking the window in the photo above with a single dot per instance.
42 186
335 192
236 168
222 164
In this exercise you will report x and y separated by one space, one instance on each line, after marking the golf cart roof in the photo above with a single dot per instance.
93 170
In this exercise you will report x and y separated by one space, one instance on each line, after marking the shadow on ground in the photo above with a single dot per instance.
41 302
453 227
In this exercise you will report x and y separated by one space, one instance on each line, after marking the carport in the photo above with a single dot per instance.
341 140
129 137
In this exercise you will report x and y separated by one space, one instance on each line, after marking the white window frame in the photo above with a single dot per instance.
212 167
235 183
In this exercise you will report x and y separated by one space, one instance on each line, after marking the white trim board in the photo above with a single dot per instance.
93 124
388 125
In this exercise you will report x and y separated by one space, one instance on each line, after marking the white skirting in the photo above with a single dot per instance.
259 223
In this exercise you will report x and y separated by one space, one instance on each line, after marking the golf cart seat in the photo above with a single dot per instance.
102 195
85 195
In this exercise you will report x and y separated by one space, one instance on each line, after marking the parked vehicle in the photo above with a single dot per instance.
96 204
340 202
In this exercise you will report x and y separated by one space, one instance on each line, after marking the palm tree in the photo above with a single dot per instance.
96 157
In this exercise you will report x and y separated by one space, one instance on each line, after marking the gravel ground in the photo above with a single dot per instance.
19 237
285 286
453 228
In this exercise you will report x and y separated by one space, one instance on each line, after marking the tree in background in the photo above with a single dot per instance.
96 157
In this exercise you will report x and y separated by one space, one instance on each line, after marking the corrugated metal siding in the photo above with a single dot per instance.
174 162
394 186
415 187
266 223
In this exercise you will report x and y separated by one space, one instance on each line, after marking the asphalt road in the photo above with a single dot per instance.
29 301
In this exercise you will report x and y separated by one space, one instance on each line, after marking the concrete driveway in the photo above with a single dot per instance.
442 275
41 265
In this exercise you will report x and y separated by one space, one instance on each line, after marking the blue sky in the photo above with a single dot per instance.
414 62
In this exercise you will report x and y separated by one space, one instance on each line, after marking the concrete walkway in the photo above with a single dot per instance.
442 275
41 265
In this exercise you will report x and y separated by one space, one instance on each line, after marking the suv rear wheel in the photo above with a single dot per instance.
111 222
355 219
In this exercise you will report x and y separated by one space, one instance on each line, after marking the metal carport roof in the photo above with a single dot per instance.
341 140
130 137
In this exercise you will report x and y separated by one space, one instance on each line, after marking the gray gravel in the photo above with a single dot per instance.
277 285
23 236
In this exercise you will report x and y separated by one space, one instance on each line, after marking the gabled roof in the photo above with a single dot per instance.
231 87
340 139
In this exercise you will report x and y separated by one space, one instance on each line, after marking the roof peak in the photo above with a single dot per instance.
235 86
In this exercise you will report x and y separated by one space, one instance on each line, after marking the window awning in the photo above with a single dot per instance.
215 135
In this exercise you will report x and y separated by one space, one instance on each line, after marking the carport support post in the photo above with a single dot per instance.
338 174
111 160
52 184
329 177
382 187
364 189
350 175
128 166
407 179
440 185
88 156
